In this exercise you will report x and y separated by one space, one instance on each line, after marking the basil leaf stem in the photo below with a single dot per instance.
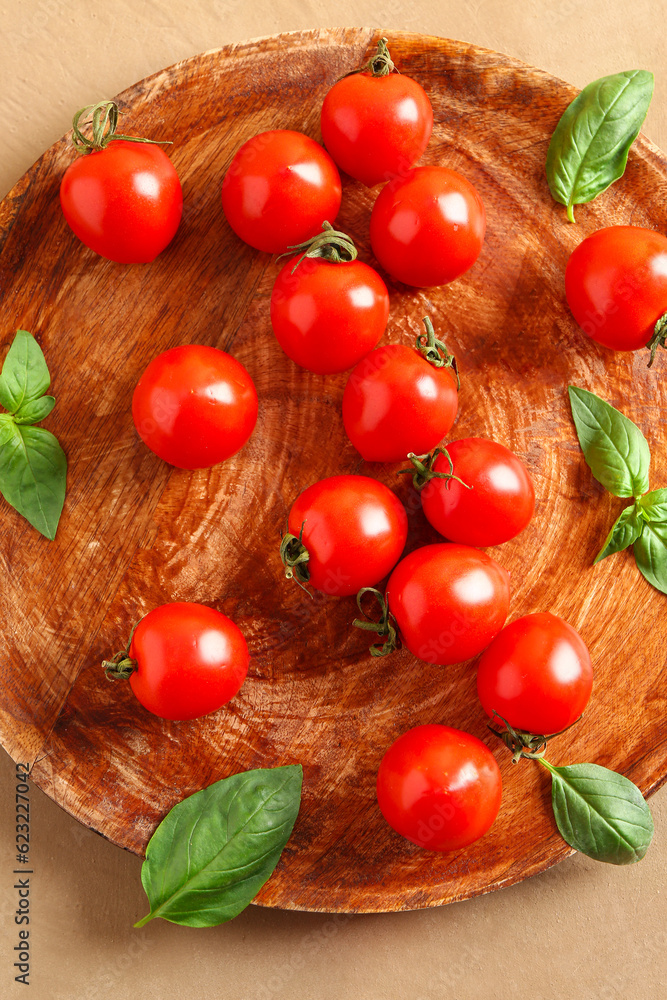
590 145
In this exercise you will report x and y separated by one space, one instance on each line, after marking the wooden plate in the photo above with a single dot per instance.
136 533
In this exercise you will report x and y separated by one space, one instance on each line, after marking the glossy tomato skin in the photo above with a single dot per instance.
279 189
354 528
376 126
191 660
536 674
616 285
439 787
497 506
327 316
427 226
194 406
449 601
124 202
396 402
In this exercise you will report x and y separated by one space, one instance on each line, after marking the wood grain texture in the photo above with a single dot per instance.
136 533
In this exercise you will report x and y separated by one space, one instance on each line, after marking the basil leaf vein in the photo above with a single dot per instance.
653 506
25 376
651 554
33 474
215 850
600 813
590 145
615 450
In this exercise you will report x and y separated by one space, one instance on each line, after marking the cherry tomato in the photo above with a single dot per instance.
279 189
536 674
194 406
439 787
449 601
187 660
496 503
124 202
327 316
376 123
396 402
352 530
427 226
616 285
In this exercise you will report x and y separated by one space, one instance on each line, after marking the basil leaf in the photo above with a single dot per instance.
653 506
589 148
215 850
33 473
614 448
24 375
625 531
651 554
35 410
600 813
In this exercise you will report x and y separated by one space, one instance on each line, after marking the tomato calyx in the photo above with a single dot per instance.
435 351
422 470
104 119
658 338
294 556
121 664
380 63
330 244
385 628
522 743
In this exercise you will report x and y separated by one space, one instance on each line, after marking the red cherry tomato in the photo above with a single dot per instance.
189 660
124 202
439 787
279 189
449 601
194 406
353 530
376 126
427 226
496 503
616 285
536 674
396 402
327 316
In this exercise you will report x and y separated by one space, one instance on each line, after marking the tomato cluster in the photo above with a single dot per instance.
195 406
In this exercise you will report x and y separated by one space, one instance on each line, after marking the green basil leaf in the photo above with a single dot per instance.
600 813
625 531
653 506
24 375
614 448
35 410
33 473
215 850
651 554
589 148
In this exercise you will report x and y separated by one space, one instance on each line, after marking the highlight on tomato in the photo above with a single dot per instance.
183 660
474 491
343 533
376 122
194 406
536 674
439 787
427 226
401 399
328 309
121 196
443 602
279 189
616 288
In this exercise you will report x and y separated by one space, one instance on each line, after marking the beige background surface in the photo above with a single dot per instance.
581 930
